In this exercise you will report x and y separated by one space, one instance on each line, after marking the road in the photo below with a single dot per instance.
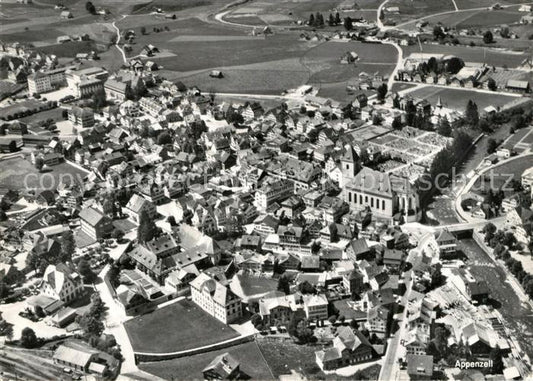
389 370
378 13
114 320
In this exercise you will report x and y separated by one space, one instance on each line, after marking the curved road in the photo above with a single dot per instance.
118 40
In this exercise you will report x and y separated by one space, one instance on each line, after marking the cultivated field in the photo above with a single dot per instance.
458 98
190 368
180 326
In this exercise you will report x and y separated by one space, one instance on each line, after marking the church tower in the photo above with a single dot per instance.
350 165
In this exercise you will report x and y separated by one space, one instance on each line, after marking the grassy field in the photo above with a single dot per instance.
190 368
186 326
286 355
69 49
457 98
469 54
467 4
18 174
490 18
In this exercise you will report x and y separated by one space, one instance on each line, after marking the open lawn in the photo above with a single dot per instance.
282 356
69 49
190 368
489 56
421 8
18 174
467 4
177 327
56 114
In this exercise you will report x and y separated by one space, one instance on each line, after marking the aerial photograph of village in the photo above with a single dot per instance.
290 190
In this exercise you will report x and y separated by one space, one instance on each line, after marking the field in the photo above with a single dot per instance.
501 175
190 368
489 18
186 326
458 98
282 356
489 56
20 174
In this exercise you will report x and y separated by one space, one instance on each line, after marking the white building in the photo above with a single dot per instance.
62 282
216 299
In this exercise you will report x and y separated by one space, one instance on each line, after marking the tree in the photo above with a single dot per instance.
312 20
3 216
489 230
438 32
256 320
143 30
471 113
348 23
331 20
90 324
89 6
68 247
4 289
164 138
283 285
397 123
491 145
382 91
497 361
444 128
488 38
147 229
99 99
39 163
491 84
84 268
28 339
306 288
337 18
454 65
6 329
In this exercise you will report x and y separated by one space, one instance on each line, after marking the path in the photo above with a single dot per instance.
118 40
378 13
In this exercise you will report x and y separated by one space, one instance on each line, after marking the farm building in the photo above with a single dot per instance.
216 74
527 19
518 86
66 15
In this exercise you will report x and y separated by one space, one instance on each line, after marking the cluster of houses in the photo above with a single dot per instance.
471 75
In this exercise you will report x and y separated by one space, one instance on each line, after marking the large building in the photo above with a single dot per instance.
44 81
386 196
82 117
216 299
273 191
62 282
84 83
95 224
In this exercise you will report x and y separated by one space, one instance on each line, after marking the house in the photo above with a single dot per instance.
95 224
77 357
353 281
277 309
65 15
82 117
315 307
136 205
9 274
62 282
377 320
419 367
527 178
223 367
358 249
392 258
447 244
216 74
216 299
349 347
518 86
